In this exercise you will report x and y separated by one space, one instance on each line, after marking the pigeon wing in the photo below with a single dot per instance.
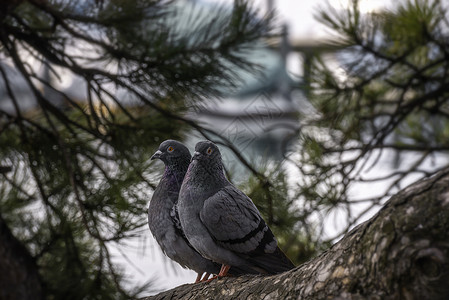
234 223
174 215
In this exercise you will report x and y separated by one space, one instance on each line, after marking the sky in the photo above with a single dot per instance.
145 261
300 15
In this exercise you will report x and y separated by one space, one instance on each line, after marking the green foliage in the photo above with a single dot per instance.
81 177
410 26
388 97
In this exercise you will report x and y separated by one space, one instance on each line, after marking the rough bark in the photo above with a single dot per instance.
19 278
400 253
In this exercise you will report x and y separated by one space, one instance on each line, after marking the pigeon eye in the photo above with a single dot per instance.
209 150
170 149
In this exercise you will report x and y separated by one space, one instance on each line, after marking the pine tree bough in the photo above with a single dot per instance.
400 253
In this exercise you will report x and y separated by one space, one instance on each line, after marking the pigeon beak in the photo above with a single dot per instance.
196 154
156 155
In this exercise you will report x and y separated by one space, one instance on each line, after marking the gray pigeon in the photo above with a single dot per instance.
162 216
221 222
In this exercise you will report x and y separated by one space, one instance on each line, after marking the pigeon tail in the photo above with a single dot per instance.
273 263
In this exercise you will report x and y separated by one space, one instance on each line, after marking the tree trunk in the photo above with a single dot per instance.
400 253
19 278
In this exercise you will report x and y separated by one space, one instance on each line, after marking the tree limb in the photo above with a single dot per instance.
19 278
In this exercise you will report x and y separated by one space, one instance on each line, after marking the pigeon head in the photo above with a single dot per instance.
207 152
172 152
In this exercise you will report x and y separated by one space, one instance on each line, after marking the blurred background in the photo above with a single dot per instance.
322 111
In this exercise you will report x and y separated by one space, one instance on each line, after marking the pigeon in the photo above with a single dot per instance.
221 222
162 215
